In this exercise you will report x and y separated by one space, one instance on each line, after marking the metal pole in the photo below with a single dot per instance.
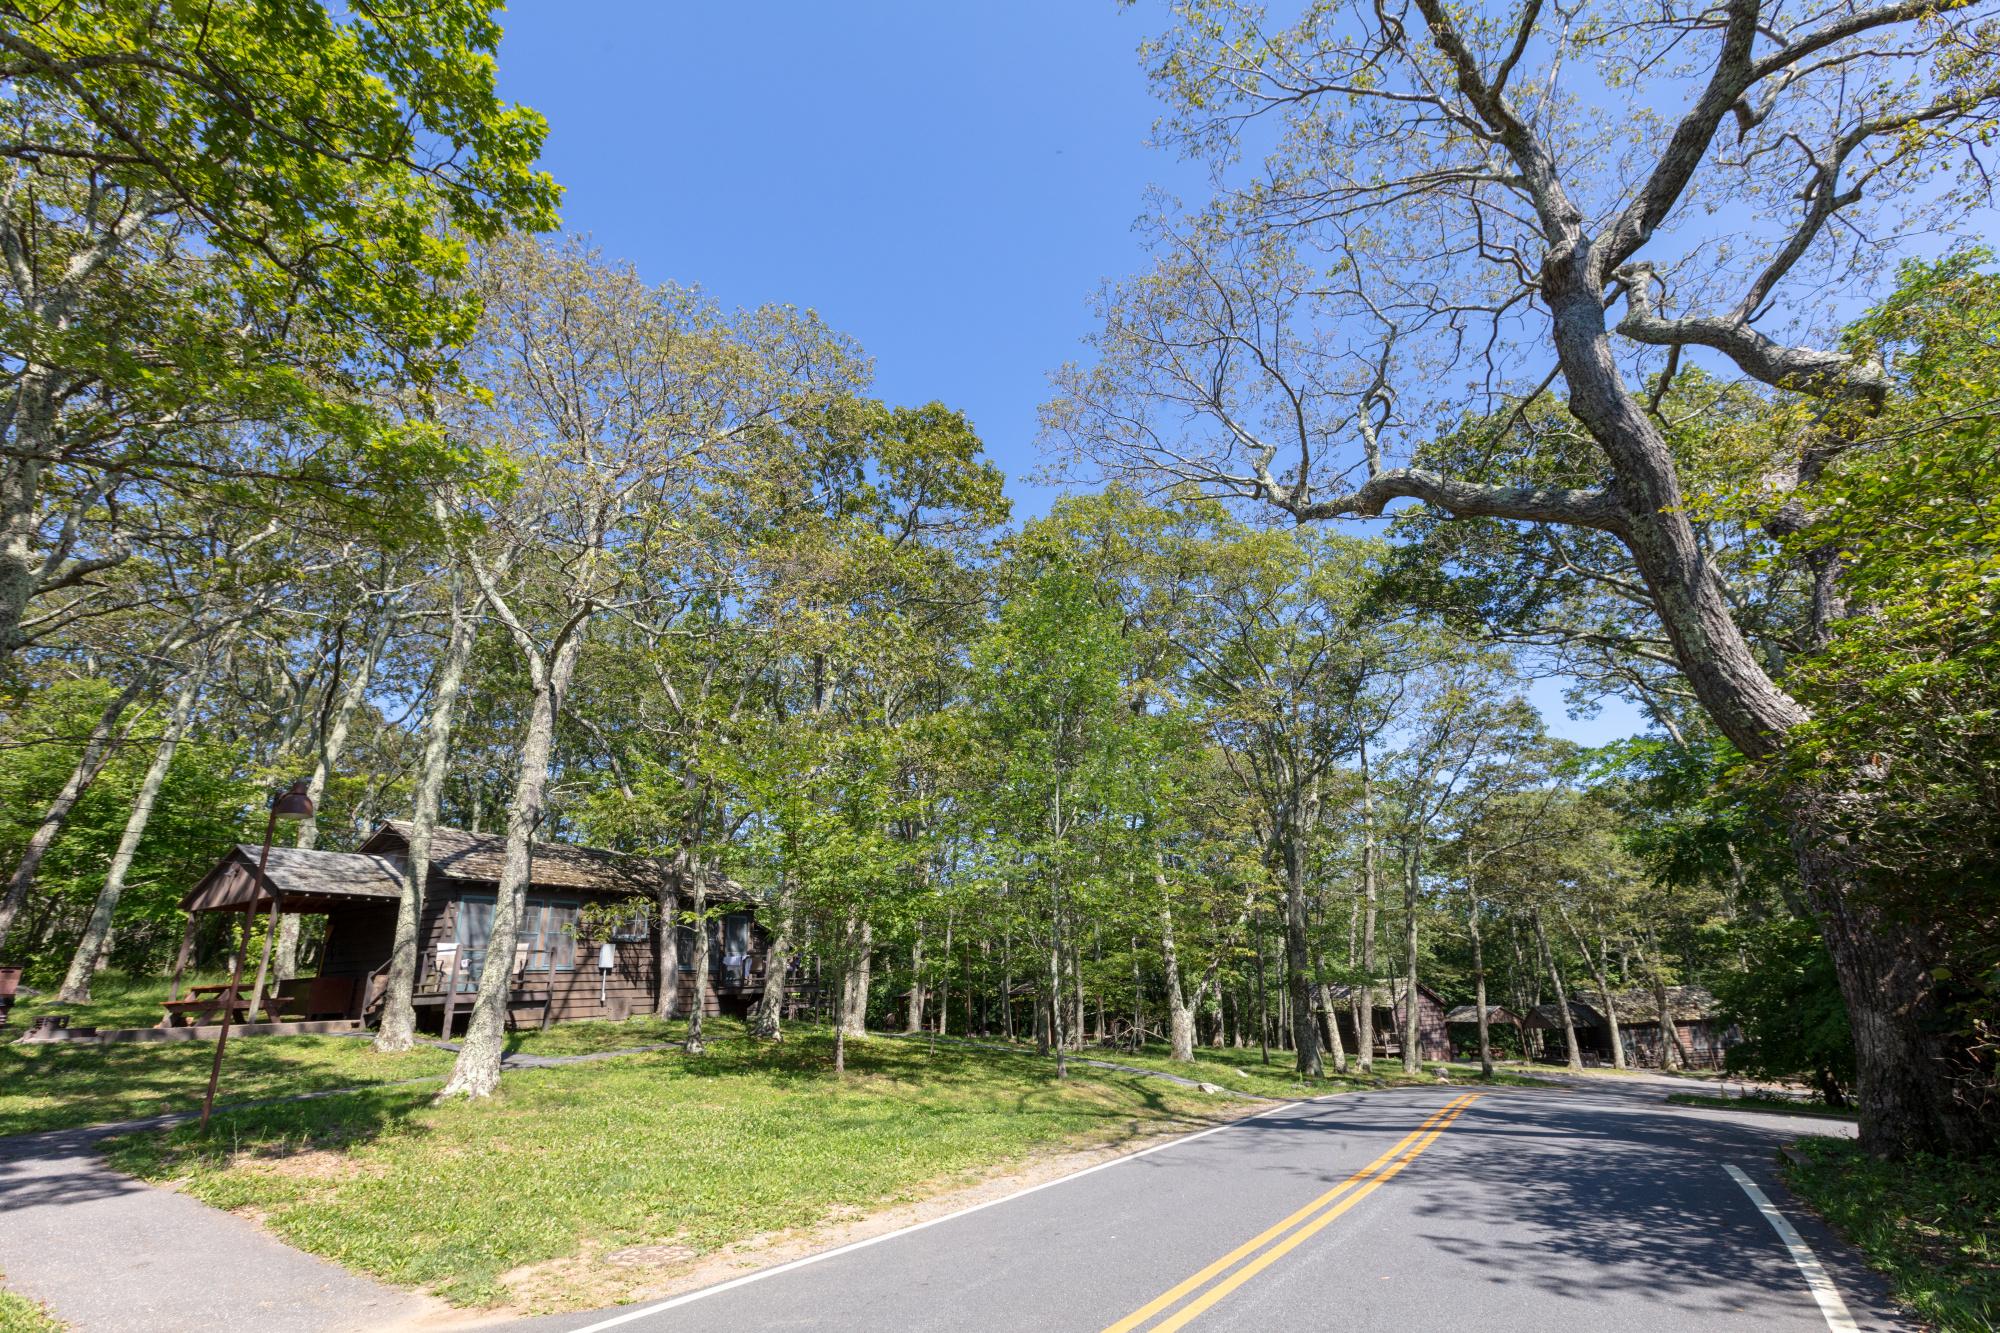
236 977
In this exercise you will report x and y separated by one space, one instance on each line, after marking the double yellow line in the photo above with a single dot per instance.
1281 1239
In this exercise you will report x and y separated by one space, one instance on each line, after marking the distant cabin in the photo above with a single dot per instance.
556 974
1388 1005
1700 1035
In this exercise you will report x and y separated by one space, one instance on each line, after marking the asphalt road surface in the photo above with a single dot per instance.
1596 1208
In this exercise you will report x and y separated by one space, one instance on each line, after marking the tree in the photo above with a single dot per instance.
1476 227
233 213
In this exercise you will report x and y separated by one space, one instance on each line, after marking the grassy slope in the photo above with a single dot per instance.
1931 1225
58 1086
652 1149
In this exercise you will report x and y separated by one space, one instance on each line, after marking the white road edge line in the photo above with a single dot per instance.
1823 1290
762 1273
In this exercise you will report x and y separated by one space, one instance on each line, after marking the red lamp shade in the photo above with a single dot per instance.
293 804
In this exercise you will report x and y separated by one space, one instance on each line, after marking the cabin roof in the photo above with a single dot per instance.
1469 1013
1388 993
553 865
1638 1005
299 878
1550 1015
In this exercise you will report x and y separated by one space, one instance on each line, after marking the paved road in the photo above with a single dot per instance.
1594 1208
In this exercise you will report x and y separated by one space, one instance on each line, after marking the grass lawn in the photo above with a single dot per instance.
657 1154
1931 1225
62 1085
116 1001
1775 1105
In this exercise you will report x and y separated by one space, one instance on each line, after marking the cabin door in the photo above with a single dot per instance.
475 929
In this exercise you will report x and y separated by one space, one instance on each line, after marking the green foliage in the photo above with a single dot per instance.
1927 1223
1787 1001
205 805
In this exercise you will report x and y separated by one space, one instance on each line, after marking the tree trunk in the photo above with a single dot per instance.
332 742
1670 1035
944 981
1479 984
97 752
695 873
1906 1089
1180 1015
913 1019
771 1004
476 1072
858 978
1298 977
398 1028
1364 991
1562 996
90 950
1596 964
1413 1057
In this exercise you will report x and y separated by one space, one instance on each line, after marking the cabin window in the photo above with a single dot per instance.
548 928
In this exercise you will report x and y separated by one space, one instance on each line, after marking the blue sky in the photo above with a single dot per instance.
946 182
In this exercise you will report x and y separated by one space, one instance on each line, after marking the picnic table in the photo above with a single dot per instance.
206 1004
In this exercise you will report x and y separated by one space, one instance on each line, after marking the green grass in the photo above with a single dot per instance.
655 1149
1775 1105
61 1085
589 1036
117 1000
18 1314
1930 1224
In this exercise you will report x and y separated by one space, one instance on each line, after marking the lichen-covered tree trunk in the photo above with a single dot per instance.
1298 973
913 1019
857 977
1479 982
1180 1014
768 1021
1595 962
697 878
1562 994
332 743
476 1072
97 751
1413 1055
1364 992
97 931
398 1028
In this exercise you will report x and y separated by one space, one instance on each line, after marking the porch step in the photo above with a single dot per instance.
205 1032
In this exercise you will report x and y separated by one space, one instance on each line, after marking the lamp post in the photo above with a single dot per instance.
291 804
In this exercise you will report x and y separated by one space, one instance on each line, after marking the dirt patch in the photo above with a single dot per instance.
596 1277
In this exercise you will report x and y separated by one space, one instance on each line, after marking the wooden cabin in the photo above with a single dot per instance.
558 973
1463 1025
1593 1036
1388 1006
1699 1033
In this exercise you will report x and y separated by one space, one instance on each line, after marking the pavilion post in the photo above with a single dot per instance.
264 963
181 959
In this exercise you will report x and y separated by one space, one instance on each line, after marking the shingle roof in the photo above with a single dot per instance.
1550 1015
1469 1013
1687 1004
296 874
481 856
